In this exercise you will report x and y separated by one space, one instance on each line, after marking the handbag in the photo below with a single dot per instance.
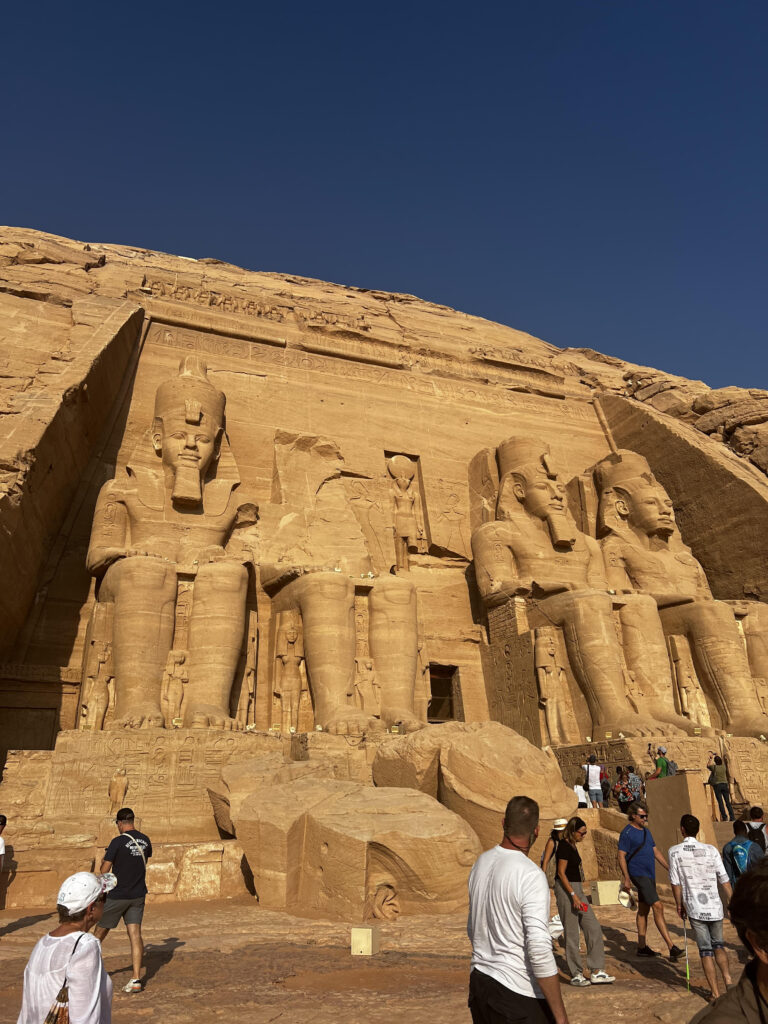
59 1011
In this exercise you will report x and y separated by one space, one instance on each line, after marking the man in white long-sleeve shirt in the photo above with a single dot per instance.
514 976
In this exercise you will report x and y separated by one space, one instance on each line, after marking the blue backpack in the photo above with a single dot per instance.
740 853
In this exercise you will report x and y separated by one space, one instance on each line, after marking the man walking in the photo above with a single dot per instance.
638 855
127 857
514 977
741 853
694 870
661 763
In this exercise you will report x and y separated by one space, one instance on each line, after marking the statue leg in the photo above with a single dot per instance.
143 591
721 659
326 601
586 619
755 627
394 643
645 650
216 637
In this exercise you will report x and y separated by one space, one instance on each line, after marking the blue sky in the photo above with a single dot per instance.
591 172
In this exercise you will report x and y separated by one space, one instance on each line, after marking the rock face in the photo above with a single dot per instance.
339 849
241 506
474 770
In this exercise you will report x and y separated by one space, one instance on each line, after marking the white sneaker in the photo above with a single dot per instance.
580 980
600 978
134 985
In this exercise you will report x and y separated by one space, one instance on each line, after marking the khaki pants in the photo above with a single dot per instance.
573 920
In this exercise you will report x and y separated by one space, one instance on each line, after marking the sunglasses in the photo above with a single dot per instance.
581 832
643 816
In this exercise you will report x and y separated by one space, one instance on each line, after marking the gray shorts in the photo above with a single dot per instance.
708 935
131 911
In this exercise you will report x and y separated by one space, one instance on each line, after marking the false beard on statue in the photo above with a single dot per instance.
562 530
187 486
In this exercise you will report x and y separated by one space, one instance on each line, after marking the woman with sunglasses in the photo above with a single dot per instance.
70 956
575 912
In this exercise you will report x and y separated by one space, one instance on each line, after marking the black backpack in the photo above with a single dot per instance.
757 835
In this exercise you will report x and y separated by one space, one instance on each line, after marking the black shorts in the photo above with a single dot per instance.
646 889
490 1002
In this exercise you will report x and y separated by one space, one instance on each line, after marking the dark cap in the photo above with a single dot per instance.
124 814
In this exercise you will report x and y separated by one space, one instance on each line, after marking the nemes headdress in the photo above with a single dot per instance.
517 453
190 394
620 469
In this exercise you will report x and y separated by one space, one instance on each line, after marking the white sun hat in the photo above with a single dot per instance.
82 889
627 899
559 824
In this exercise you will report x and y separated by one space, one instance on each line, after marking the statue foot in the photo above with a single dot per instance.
208 716
404 719
145 716
632 726
748 726
346 721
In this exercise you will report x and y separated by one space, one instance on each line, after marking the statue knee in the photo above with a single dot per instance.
229 576
141 572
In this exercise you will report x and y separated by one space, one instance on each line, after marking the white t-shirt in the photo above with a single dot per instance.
2 846
697 868
581 795
89 985
508 916
593 775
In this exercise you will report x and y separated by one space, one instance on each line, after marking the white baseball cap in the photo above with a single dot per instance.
82 889
559 824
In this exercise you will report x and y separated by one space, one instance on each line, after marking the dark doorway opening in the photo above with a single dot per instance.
445 703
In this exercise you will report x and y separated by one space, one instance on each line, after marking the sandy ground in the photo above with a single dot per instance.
230 960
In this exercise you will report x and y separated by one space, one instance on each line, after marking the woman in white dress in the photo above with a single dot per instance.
70 952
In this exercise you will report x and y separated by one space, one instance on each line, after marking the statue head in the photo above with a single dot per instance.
529 478
188 428
291 634
631 497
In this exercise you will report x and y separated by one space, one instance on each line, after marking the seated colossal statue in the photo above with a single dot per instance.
172 515
534 550
644 553
170 548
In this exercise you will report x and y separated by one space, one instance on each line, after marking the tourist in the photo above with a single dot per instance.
514 975
127 857
575 912
581 795
638 855
636 786
741 853
747 1001
660 761
622 792
592 775
756 828
694 870
69 955
718 780
3 823
551 844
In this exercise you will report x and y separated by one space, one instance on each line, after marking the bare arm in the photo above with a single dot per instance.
624 870
551 988
660 858
106 865
677 892
549 849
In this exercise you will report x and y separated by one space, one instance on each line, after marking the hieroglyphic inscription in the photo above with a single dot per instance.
481 394
375 352
212 299
168 773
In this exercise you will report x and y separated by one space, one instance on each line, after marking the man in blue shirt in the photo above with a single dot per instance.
637 859
740 854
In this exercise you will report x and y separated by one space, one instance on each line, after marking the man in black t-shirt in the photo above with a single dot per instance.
127 856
